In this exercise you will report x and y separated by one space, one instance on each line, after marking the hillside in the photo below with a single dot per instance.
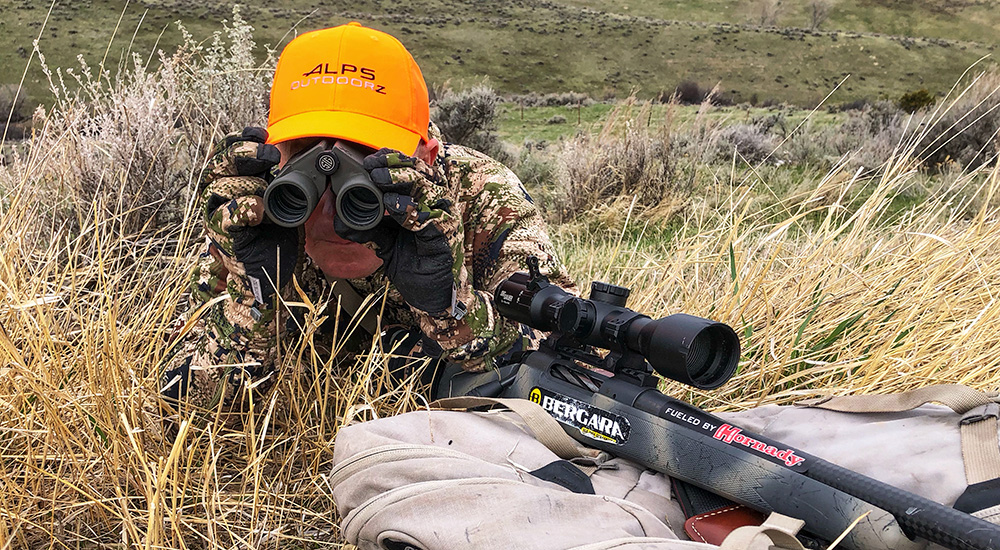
883 48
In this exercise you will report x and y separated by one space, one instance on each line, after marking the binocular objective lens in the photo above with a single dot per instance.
288 204
361 207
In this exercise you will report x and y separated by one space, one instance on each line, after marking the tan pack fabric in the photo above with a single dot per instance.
777 533
978 425
448 479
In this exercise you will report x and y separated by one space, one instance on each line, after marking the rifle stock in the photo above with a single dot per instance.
619 410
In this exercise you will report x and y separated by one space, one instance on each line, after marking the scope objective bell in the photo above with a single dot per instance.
689 349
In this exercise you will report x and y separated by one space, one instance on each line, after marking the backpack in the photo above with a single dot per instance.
510 477
446 479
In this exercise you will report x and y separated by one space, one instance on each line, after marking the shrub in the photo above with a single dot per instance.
536 170
688 92
966 131
916 100
11 103
753 142
724 99
465 116
819 11
469 118
875 118
869 137
765 12
855 105
12 115
552 100
625 158
133 141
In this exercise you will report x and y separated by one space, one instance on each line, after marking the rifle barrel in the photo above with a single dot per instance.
680 440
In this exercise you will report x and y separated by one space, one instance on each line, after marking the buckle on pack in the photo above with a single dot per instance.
980 413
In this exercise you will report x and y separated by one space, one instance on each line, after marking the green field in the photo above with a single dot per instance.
877 48
975 21
516 123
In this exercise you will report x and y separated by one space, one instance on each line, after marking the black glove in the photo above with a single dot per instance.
417 240
259 256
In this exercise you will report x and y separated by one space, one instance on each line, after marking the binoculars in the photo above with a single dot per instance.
294 192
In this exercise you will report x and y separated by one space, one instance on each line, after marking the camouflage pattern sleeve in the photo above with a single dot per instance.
225 351
222 348
501 228
227 340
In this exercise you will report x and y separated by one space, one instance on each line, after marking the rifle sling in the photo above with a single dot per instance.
351 303
545 428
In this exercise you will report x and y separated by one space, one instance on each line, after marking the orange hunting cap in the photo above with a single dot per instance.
349 82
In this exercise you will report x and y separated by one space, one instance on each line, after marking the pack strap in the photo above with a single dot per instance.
991 514
351 303
978 427
980 444
545 428
779 529
957 397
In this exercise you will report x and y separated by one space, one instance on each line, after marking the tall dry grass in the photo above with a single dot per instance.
833 287
831 290
90 458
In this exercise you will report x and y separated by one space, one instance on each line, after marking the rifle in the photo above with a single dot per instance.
613 404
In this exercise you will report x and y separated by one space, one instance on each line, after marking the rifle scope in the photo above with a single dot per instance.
295 191
689 349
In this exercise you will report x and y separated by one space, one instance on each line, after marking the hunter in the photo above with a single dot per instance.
458 222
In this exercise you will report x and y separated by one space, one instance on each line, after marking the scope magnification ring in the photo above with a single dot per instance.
327 163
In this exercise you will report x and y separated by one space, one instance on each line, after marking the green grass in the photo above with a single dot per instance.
966 21
517 123
557 46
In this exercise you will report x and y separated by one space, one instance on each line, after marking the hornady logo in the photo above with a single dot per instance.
345 75
592 422
732 434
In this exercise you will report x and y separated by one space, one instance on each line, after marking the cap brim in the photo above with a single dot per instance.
363 129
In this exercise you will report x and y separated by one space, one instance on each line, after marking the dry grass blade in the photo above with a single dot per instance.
847 531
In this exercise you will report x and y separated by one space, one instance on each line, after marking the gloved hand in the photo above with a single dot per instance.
418 240
257 257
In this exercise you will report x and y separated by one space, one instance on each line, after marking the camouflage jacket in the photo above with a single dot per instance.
499 228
